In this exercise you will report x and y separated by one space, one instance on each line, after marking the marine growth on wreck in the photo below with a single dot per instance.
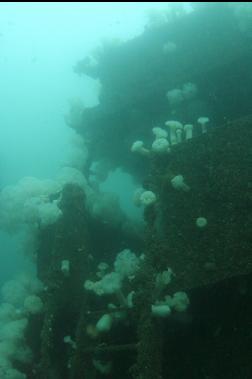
134 256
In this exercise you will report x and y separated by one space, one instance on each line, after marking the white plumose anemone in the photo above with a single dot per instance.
160 146
173 127
148 198
178 183
104 324
138 147
179 133
201 222
188 129
159 133
160 310
65 267
203 121
179 301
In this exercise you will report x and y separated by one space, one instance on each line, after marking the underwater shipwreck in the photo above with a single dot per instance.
171 299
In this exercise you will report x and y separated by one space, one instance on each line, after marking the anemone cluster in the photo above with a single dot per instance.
21 300
174 134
